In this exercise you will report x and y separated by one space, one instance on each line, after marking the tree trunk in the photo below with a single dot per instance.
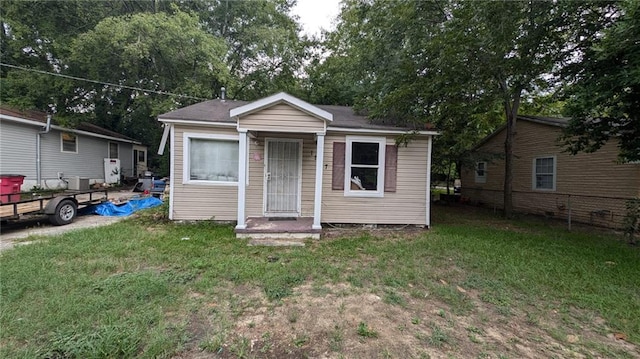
508 166
511 110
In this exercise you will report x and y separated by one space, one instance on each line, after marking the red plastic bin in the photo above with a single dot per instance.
10 188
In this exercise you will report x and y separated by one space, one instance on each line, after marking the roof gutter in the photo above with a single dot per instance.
51 126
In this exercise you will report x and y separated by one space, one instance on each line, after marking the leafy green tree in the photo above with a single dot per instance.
265 51
604 100
159 52
454 62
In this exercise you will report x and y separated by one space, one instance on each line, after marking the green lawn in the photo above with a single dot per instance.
140 288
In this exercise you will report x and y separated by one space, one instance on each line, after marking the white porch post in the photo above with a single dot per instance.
428 204
317 202
242 178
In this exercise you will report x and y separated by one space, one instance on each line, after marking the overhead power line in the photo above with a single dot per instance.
100 82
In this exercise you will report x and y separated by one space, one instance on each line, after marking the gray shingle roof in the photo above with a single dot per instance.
218 111
39 116
552 121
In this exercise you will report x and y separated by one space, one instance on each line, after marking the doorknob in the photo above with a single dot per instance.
268 176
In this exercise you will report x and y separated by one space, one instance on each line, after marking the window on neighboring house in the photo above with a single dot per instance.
141 155
364 166
481 172
544 173
113 150
68 142
211 159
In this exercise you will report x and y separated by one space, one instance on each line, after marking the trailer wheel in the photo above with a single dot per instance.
65 212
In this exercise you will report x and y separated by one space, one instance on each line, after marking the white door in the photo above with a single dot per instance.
112 170
283 172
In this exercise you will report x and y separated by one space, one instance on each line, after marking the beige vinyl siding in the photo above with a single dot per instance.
405 206
281 118
596 183
255 191
200 202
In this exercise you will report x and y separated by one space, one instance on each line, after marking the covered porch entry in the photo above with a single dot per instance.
281 156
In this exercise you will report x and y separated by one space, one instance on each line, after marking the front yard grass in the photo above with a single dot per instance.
474 286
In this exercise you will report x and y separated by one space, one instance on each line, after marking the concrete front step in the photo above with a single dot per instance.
276 242
267 228
278 235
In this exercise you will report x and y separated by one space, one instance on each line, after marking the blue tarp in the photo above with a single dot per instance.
134 205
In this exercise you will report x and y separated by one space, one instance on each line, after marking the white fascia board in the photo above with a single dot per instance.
199 123
22 120
375 131
279 98
91 134
242 129
64 129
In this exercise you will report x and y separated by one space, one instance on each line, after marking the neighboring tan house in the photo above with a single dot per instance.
309 164
53 157
589 187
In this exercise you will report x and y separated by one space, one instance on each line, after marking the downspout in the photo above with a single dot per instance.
38 156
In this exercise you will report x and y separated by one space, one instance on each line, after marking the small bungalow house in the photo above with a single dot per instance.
51 156
588 187
282 162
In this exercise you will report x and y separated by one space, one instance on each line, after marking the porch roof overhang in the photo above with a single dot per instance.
277 99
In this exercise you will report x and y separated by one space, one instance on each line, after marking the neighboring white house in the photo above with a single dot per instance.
52 156
281 157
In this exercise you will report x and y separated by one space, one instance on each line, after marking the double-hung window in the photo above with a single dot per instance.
364 166
113 150
481 172
210 159
544 173
68 142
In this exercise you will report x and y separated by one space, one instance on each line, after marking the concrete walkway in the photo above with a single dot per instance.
41 227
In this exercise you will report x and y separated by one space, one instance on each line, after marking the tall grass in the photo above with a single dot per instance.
126 290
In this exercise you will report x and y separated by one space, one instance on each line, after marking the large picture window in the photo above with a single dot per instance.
211 159
364 166
68 142
544 173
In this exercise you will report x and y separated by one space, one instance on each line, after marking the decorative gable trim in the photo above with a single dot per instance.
281 98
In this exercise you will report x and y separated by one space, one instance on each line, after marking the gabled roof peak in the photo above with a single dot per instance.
281 97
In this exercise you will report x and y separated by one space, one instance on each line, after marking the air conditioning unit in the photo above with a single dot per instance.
77 183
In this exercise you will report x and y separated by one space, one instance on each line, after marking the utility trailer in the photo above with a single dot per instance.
61 207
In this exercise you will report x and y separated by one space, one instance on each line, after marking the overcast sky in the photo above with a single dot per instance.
316 14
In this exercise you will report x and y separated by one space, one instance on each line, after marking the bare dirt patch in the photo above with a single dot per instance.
335 321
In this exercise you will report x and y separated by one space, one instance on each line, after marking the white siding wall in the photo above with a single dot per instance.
282 118
200 202
18 149
405 206
18 155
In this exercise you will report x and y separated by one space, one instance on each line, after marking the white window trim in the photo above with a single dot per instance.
186 136
533 174
62 142
109 149
382 143
478 178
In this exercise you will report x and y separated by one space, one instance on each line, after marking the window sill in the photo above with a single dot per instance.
210 183
365 194
545 189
